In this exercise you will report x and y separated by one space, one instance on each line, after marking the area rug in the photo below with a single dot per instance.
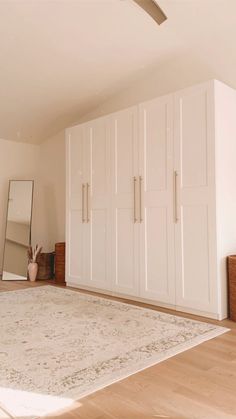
58 345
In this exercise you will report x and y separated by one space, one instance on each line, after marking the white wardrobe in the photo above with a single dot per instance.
151 200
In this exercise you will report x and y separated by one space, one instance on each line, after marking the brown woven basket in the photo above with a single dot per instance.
231 262
45 266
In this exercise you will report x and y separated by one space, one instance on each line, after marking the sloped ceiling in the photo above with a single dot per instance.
59 59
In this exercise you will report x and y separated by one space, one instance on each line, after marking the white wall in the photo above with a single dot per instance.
49 211
225 180
17 161
172 75
45 164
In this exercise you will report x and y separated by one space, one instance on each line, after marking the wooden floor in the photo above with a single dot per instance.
199 383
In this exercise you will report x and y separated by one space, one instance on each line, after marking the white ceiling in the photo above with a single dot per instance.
61 58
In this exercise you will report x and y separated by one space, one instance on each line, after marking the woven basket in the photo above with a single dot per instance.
231 262
45 266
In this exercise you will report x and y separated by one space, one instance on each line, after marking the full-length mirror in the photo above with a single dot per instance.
18 230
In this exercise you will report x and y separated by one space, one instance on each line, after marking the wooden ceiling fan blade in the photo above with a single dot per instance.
152 8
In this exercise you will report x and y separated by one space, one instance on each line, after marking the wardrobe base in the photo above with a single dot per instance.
155 303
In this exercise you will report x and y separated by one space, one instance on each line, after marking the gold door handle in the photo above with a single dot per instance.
88 203
83 219
135 215
140 199
175 197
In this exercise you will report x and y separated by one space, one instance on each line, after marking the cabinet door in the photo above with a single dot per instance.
125 231
157 270
99 199
76 235
195 199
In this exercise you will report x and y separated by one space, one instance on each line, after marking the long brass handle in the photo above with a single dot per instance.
88 203
83 219
175 197
135 215
140 199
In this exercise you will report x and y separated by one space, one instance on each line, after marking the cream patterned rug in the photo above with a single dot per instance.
58 345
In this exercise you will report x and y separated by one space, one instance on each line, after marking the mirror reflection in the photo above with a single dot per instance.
18 230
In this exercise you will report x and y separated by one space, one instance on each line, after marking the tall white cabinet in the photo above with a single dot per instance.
88 205
125 231
195 229
76 231
156 159
150 200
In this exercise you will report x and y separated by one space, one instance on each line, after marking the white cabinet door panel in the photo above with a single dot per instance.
157 273
76 233
195 260
195 229
99 203
76 248
156 253
125 250
99 249
125 232
194 139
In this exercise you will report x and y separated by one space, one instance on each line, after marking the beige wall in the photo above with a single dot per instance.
49 210
17 161
45 164
174 74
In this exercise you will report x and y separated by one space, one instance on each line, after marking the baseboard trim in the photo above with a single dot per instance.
155 303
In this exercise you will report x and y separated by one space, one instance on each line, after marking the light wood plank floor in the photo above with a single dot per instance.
197 384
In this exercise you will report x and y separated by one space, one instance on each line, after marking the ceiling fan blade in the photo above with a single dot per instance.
152 8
